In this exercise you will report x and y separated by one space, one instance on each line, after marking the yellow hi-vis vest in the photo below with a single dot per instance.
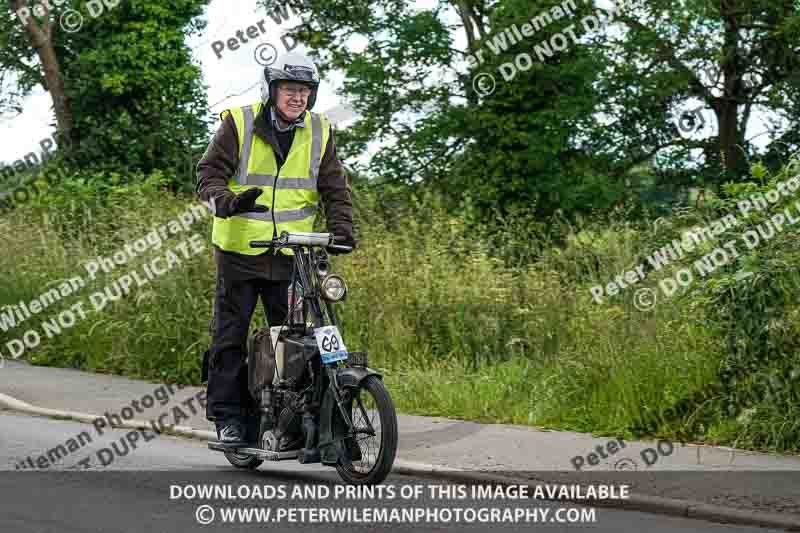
290 194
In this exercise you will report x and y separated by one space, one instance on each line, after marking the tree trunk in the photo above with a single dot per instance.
729 149
470 13
41 38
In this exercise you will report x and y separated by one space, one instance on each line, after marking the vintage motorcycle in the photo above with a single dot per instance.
313 400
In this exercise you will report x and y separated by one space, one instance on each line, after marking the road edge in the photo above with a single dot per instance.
636 502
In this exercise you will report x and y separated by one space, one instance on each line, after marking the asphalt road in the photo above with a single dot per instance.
149 488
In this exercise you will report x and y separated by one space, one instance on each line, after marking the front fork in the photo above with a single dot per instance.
334 386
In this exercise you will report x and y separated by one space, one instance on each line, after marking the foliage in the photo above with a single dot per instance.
456 332
485 222
591 128
753 304
136 97
669 61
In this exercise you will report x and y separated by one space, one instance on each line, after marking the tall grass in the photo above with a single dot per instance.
155 332
464 336
455 332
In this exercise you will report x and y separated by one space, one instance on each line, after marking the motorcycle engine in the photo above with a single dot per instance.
289 427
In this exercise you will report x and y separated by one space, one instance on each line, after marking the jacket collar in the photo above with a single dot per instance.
299 122
265 129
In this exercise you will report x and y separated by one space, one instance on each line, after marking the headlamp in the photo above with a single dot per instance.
334 288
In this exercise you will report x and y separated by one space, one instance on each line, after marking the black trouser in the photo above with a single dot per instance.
228 395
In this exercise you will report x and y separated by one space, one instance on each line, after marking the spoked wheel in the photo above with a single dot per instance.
375 425
239 460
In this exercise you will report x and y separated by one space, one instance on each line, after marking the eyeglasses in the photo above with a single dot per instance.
296 91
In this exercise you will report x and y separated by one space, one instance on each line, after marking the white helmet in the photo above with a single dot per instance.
291 66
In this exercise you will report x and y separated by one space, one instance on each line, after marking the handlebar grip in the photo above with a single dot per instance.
260 244
347 249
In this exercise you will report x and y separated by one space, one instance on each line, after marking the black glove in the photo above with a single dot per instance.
232 204
346 239
246 202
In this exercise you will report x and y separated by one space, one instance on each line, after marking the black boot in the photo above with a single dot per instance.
232 434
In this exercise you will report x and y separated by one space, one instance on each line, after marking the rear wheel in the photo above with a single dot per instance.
375 425
239 460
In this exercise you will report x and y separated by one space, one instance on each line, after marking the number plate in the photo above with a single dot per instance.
331 345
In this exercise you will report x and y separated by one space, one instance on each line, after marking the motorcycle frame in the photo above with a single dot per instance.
306 272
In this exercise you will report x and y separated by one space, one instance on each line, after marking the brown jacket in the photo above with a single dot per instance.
221 161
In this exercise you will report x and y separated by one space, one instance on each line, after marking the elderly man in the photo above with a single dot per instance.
266 170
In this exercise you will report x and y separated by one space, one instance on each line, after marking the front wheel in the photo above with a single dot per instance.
375 426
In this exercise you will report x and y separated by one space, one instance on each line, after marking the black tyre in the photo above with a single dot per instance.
248 462
371 402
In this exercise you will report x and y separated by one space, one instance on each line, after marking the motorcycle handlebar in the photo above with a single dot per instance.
303 239
307 239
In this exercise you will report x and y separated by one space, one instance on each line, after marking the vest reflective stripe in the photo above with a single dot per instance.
245 146
316 147
298 183
292 190
291 215
262 180
266 180
259 179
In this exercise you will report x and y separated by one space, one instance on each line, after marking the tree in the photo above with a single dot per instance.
734 57
41 37
412 84
126 92
570 129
